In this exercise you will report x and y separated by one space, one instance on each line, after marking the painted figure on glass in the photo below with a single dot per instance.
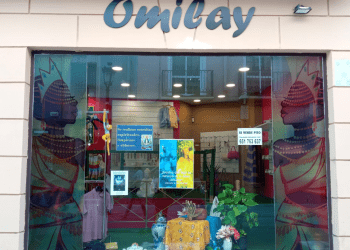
301 160
57 166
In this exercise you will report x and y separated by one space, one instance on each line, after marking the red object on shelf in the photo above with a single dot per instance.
265 136
265 151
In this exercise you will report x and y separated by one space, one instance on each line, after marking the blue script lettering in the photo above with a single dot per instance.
108 15
192 17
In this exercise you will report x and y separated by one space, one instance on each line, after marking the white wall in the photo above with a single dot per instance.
78 25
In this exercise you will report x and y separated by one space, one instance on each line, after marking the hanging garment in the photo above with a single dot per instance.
250 174
93 215
164 118
254 169
174 119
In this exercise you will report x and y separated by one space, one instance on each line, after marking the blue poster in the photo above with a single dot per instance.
176 165
134 138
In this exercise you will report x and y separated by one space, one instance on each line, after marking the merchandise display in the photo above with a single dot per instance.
93 215
163 159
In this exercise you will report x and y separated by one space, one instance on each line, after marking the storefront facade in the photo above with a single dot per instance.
81 28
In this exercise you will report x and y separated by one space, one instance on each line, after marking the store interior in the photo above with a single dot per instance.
212 123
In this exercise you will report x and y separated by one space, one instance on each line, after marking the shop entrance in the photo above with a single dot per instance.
185 152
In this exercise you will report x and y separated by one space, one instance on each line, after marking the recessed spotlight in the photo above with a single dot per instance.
124 84
221 96
176 96
244 69
197 100
230 85
117 68
177 85
131 96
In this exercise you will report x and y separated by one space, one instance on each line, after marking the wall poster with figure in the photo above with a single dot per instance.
299 154
119 183
176 164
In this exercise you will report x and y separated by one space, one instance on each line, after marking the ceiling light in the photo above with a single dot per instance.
221 96
124 84
230 85
197 100
131 96
176 96
177 85
301 9
244 69
117 68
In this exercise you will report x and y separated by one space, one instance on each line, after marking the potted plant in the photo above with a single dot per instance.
233 206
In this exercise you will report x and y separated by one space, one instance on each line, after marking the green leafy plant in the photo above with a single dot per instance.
233 206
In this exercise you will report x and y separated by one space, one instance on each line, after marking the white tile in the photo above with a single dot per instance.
341 243
13 175
15 97
14 64
312 31
14 6
93 32
340 185
209 6
12 216
13 241
261 33
340 217
339 8
332 58
84 6
339 103
280 8
38 30
15 134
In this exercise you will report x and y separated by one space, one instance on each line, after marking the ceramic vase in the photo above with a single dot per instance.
227 245
158 232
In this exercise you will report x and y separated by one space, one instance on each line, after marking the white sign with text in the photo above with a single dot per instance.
249 136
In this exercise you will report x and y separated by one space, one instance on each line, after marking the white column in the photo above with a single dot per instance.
14 115
339 136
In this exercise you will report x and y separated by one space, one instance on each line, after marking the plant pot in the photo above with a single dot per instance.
243 242
227 245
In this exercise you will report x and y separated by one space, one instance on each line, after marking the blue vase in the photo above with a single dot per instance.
158 232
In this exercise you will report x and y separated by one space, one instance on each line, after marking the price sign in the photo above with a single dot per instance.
249 136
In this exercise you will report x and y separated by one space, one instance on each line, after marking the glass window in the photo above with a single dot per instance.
125 145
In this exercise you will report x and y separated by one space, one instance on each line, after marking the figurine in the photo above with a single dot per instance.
158 232
147 185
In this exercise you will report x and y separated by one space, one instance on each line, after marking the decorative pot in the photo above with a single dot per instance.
158 233
227 245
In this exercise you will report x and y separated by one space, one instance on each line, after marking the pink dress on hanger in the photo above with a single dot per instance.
93 215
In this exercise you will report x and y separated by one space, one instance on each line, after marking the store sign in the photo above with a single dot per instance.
134 138
191 21
250 136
